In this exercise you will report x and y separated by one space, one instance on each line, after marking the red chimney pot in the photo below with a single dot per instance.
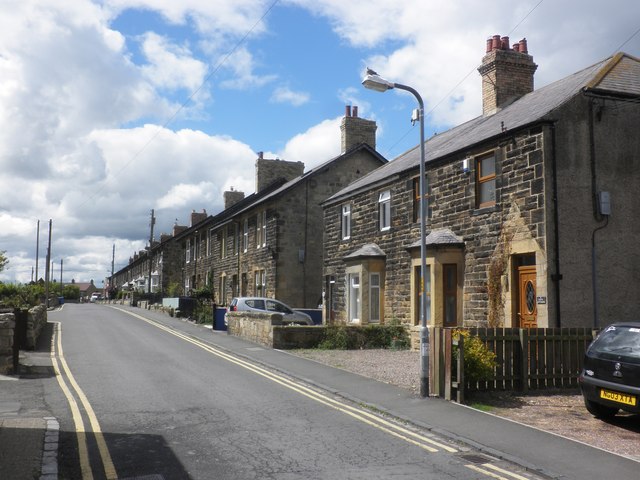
523 46
347 111
495 44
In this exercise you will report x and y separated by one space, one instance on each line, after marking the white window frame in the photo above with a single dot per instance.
261 229
223 289
188 251
384 210
260 283
223 242
354 306
374 297
346 221
245 235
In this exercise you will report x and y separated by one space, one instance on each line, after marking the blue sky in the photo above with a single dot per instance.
111 108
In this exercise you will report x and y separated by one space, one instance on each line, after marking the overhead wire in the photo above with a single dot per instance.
464 79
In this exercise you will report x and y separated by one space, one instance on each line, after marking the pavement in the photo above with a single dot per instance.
29 433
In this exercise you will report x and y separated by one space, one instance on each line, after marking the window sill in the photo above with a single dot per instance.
485 210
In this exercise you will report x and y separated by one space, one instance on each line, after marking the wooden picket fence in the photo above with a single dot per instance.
526 359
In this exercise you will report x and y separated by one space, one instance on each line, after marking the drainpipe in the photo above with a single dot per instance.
596 213
306 229
557 276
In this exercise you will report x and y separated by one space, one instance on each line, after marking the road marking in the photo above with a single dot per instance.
105 456
509 475
368 418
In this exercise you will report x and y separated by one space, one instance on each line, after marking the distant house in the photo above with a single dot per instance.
270 243
162 263
86 289
532 209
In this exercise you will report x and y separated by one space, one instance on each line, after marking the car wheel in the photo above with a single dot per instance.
600 411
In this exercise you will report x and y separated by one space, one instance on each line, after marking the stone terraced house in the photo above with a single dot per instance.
270 243
532 209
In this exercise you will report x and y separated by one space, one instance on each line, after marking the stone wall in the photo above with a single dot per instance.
36 321
267 329
519 208
7 325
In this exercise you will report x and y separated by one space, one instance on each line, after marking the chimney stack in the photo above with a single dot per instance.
231 197
197 217
507 73
356 130
268 171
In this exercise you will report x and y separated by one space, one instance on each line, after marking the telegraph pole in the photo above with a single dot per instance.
153 222
61 288
37 248
47 271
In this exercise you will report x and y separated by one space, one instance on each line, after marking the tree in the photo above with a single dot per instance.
3 260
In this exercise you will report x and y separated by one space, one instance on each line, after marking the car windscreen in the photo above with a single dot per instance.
618 342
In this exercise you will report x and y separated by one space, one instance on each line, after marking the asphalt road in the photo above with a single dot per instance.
158 403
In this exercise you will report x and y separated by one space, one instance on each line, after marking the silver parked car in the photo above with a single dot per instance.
268 305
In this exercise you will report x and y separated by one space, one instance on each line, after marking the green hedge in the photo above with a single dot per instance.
344 337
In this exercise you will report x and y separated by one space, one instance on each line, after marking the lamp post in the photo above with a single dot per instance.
373 81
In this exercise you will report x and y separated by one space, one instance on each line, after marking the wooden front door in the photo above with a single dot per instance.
527 308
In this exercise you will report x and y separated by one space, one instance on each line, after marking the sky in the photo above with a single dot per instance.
112 108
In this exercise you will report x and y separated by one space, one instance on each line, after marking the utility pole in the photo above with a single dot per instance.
37 248
46 274
113 261
153 222
61 263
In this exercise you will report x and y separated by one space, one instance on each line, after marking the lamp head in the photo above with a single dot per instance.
373 81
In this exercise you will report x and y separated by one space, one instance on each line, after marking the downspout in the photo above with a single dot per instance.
556 229
306 229
596 214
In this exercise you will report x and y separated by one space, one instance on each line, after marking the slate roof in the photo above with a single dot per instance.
442 237
313 171
366 251
273 190
617 74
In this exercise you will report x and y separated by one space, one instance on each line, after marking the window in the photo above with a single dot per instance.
223 289
418 294
261 229
384 210
245 235
354 297
209 242
234 239
346 221
188 251
374 298
261 280
223 243
416 200
486 181
450 294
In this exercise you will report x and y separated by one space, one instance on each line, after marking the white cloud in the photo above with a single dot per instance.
171 66
315 146
286 95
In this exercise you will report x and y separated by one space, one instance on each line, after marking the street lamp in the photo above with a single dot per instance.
373 81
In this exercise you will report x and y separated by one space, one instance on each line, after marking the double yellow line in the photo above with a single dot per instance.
83 450
409 436
368 418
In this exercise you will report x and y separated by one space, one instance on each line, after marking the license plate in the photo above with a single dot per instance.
618 397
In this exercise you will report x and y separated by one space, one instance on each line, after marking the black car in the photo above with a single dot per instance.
610 379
